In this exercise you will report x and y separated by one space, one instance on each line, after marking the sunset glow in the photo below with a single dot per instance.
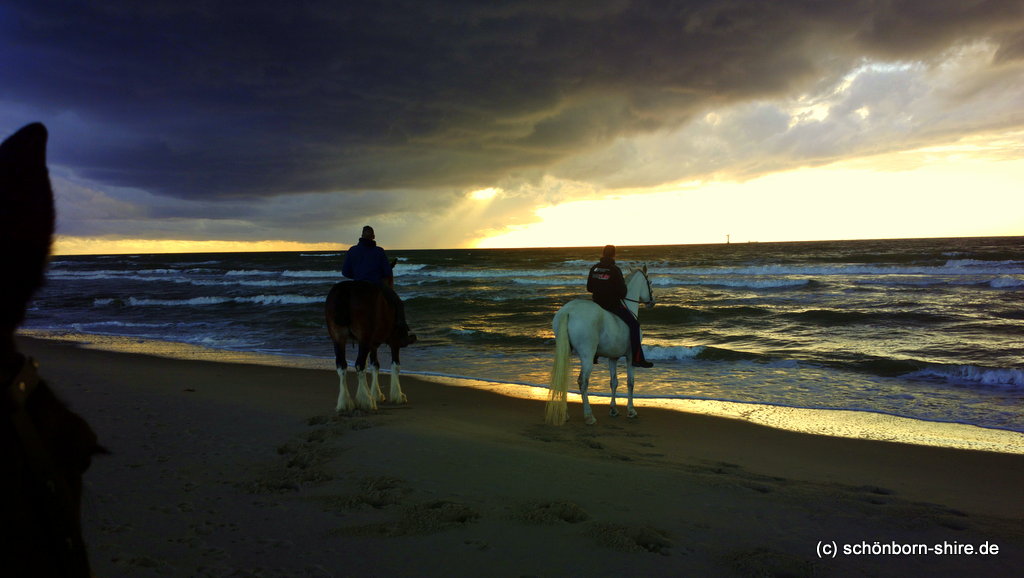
926 193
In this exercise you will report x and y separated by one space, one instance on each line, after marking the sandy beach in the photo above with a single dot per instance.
226 469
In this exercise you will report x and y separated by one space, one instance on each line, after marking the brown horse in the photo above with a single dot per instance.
45 446
359 310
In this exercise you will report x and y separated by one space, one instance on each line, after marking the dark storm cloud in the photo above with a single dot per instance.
200 100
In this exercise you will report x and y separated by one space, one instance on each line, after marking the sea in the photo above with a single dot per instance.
926 329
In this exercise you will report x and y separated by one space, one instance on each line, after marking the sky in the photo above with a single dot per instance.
196 125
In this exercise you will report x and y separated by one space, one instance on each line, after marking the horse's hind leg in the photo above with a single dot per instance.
613 370
630 412
586 368
396 394
375 390
364 400
345 401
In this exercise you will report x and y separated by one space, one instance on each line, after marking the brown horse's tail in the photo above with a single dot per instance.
337 303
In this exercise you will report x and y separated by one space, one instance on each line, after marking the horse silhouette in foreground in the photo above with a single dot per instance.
359 310
592 331
45 446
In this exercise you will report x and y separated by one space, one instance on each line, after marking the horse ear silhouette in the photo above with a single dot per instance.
26 220
645 268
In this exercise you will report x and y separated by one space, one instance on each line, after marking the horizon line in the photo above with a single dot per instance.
297 247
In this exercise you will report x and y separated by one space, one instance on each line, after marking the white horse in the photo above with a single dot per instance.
591 330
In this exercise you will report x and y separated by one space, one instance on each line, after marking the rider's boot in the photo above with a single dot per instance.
639 361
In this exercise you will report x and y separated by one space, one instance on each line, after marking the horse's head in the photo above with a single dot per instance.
638 284
26 222
46 445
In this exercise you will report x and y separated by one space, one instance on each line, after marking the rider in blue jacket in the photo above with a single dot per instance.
367 262
609 289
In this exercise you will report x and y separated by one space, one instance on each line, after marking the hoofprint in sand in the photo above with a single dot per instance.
219 469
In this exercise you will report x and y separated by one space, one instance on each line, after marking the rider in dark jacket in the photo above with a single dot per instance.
609 289
367 262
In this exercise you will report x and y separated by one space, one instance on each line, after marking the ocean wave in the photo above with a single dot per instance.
199 282
494 273
829 317
248 272
575 264
952 267
281 299
402 268
314 274
676 314
503 339
1006 282
550 281
245 283
194 301
712 353
91 326
974 263
210 300
673 352
771 283
972 375
100 274
1002 282
103 276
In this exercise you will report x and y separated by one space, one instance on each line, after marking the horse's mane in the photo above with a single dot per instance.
633 271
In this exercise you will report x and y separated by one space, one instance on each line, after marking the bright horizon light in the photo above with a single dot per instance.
919 194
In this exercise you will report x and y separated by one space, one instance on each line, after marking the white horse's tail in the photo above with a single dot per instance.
556 410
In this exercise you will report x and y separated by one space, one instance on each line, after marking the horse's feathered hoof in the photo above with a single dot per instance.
591 420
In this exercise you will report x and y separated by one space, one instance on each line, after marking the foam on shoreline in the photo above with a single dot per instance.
826 422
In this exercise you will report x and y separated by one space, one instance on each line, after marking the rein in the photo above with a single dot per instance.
57 503
637 301
649 291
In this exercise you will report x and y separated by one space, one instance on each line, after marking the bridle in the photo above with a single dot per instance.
650 291
57 504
